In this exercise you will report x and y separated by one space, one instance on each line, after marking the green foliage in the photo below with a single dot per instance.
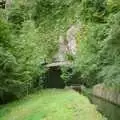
67 74
39 24
20 11
99 52
111 52
111 75
113 5
28 36
4 33
87 61
56 14
93 10
20 63
8 61
16 17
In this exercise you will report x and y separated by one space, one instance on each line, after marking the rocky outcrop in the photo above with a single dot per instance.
67 43
106 93
71 38
8 3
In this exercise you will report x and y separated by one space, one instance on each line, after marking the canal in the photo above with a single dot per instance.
109 110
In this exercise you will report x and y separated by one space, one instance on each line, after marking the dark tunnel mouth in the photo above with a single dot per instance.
53 79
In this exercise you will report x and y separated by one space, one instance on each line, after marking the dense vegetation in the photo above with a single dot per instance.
99 48
98 54
29 32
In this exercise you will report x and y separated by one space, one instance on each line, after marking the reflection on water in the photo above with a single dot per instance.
109 110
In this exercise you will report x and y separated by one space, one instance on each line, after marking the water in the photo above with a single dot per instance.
109 110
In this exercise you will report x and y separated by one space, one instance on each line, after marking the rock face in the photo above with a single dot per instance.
71 38
8 3
67 44
109 94
63 48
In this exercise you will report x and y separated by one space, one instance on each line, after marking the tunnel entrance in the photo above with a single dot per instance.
53 79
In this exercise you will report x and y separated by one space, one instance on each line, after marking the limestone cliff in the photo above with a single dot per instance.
67 43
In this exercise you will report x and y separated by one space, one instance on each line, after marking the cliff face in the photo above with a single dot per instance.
71 38
67 44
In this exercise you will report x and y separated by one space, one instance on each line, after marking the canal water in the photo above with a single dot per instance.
109 110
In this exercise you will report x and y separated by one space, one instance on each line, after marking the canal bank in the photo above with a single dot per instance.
108 109
107 93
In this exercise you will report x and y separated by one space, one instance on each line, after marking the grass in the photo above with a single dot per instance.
51 105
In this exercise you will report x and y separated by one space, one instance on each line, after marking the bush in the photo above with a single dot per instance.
93 10
113 6
87 61
20 63
99 53
110 53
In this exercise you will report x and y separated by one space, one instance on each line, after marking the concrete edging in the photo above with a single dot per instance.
106 93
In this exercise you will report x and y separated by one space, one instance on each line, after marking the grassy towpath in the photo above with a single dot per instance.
51 105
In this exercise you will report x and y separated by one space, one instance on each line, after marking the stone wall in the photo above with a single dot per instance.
106 93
